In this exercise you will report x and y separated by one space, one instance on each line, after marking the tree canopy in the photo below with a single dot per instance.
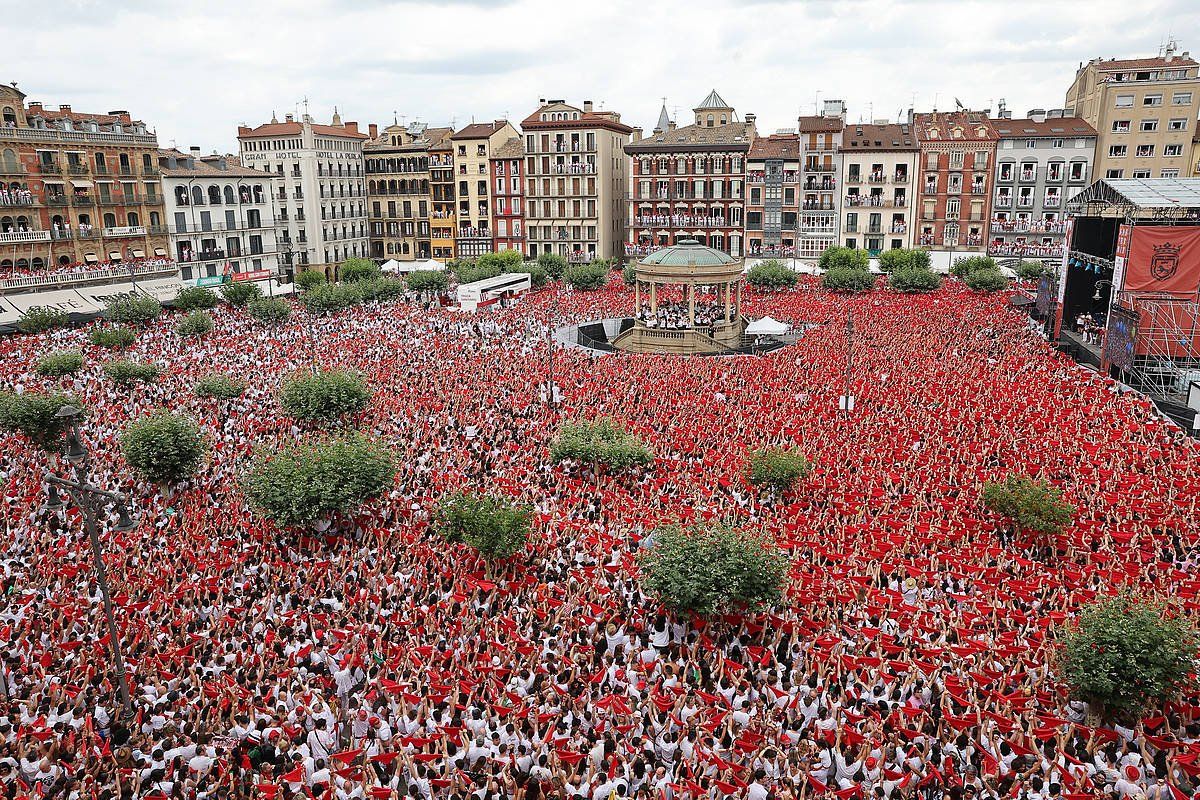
602 441
164 448
496 528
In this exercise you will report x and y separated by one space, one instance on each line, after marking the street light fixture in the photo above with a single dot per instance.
89 498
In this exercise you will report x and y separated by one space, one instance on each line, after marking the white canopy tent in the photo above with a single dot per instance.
276 290
1008 272
767 327
404 267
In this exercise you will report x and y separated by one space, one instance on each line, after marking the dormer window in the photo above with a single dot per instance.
933 133
65 124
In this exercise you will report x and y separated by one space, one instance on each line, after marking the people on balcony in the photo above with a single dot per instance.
15 196
674 316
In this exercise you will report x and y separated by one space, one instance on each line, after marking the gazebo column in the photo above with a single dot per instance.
653 298
691 305
637 298
739 298
728 303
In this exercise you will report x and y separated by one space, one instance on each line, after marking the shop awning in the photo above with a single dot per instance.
81 184
114 256
138 253
158 251
91 258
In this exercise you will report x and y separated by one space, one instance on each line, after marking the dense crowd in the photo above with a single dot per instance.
911 658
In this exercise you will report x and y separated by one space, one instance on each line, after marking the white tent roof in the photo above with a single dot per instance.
1008 272
391 265
278 290
767 327
412 266
63 299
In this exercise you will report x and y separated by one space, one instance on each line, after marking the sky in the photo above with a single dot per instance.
194 71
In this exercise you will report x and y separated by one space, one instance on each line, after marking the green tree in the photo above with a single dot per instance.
377 290
962 267
326 298
913 280
1030 270
554 264
164 448
427 281
601 441
220 387
586 277
506 260
309 279
112 338
629 274
358 269
197 323
304 481
899 259
986 280
327 396
33 414
269 309
494 527
537 275
713 569
239 293
132 309
777 468
64 362
845 279
771 274
844 258
469 271
1128 655
124 372
193 298
1029 505
39 319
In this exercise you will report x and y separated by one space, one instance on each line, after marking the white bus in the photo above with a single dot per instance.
472 296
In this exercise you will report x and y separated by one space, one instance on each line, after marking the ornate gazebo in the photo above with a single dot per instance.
706 317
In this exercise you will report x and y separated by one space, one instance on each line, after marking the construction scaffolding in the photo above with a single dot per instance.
1166 354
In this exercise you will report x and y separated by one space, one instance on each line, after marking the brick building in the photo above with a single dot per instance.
954 202
773 197
508 196
473 147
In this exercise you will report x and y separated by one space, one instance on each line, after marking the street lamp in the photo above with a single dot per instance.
847 401
88 498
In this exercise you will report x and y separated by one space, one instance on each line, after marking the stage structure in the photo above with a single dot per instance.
688 301
1134 261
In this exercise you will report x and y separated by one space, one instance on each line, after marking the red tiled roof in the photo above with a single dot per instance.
879 137
479 130
779 145
1143 63
1027 128
820 124
945 121
285 128
587 119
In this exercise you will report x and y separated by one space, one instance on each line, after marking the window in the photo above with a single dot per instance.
956 160
1115 173
1171 150
1177 125
1169 173
1124 101
1141 173
1145 151
1057 144
1149 125
1120 126
1118 150
1030 144
1152 100
1181 99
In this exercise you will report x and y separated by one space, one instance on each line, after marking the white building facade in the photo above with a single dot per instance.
320 191
220 215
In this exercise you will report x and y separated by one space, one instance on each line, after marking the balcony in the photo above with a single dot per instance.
1052 201
899 227
77 169
16 237
16 197
1024 249
1024 202
126 230
573 169
1027 226
78 137
819 207
83 200
49 169
203 255
1028 176
850 227
101 169
854 179
11 168
979 188
1077 178
900 177
826 185
57 200
1004 201
874 229
877 177
974 240
820 168
925 240
1005 176
125 169
151 171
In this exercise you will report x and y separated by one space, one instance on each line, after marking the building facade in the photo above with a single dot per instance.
576 177
321 192
689 182
76 187
220 215
1144 111
878 165
957 153
774 197
820 159
443 219
399 198
508 196
473 148
1041 162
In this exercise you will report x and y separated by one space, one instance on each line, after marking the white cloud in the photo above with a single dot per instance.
195 70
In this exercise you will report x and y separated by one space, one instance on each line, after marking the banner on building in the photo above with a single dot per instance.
1121 258
1163 258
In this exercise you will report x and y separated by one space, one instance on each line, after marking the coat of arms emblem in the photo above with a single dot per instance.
1165 261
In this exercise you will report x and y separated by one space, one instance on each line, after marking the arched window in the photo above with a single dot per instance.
214 195
181 195
230 197
197 196
131 218
38 263
64 260
22 263
6 264
110 220
371 187
154 219
100 165
10 117
10 159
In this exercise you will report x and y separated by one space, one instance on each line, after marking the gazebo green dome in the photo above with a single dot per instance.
687 252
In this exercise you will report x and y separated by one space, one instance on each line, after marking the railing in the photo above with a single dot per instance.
49 169
1005 177
874 229
1080 178
854 179
23 201
126 230
925 241
93 137
1028 177
573 169
1027 226
877 177
85 276
10 237
820 168
979 188
873 201
817 207
900 177
851 227
1024 202
680 221
1019 249
77 169
203 255
83 200
1004 201
1052 202
974 240
899 227
823 186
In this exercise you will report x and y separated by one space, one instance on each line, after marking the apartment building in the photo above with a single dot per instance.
1041 161
399 198
76 187
878 165
957 153
820 159
576 176
689 182
473 148
220 215
1144 111
774 197
443 218
321 191
508 196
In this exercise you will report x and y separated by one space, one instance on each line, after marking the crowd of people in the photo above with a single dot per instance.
15 195
73 269
912 655
675 315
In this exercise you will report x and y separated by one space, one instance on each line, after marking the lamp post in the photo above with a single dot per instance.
847 402
86 498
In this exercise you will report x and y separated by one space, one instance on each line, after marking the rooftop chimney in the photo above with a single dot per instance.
637 135
373 129
352 127
587 105
194 149
64 108
288 118
1037 114
750 118
541 101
